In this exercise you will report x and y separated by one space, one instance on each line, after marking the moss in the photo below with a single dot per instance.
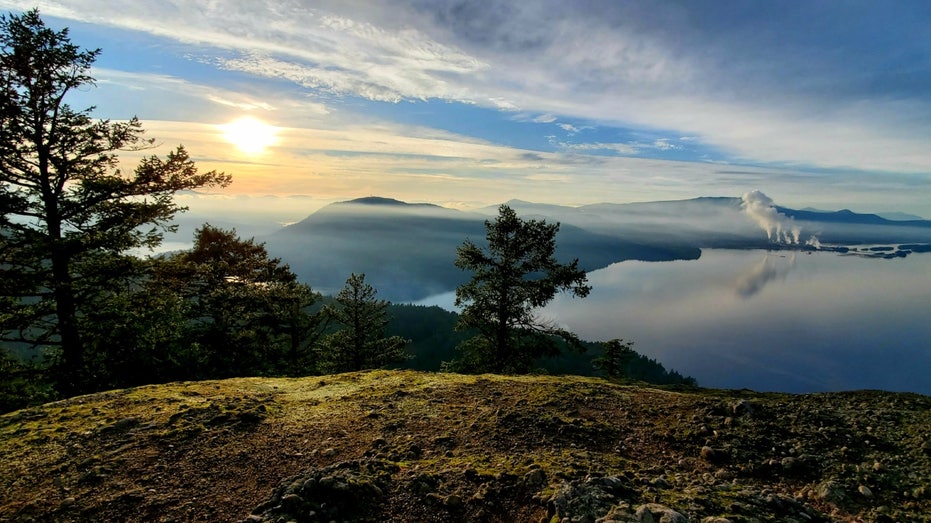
470 440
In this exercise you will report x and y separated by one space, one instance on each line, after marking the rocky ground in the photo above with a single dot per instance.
407 446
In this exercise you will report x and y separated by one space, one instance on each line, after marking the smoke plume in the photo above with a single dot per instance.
779 227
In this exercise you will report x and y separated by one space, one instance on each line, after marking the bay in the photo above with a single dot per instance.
769 321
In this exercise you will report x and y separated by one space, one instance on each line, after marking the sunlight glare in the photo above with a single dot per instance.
250 135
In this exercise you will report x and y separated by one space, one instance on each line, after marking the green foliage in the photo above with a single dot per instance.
247 312
431 331
137 334
22 384
361 342
616 358
517 274
67 212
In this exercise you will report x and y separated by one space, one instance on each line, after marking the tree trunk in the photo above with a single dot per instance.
72 350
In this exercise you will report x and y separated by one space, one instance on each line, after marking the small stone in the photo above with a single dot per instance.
291 500
656 513
830 491
453 500
535 478
67 502
708 454
865 491
660 483
743 407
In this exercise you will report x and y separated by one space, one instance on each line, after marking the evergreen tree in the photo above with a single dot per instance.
249 314
515 275
616 358
361 342
68 214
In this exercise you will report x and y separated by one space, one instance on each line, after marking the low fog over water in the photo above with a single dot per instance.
780 321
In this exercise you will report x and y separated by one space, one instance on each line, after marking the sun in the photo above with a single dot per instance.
250 135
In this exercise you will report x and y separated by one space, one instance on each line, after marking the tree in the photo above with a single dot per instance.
515 275
616 358
249 313
67 212
361 343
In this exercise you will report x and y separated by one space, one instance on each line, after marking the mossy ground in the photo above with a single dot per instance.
445 447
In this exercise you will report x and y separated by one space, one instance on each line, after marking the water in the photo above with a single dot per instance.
772 321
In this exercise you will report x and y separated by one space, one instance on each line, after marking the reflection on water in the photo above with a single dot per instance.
781 321
768 269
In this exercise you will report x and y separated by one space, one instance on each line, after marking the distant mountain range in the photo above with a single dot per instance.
407 250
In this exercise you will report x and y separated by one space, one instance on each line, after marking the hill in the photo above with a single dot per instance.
407 250
409 446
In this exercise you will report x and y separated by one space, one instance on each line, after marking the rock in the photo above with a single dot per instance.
535 478
656 513
344 491
588 499
865 491
743 407
712 519
709 454
660 483
443 441
831 492
414 451
291 501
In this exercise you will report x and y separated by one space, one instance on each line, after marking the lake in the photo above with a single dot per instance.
769 321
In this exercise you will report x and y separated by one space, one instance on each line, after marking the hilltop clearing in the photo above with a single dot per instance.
411 446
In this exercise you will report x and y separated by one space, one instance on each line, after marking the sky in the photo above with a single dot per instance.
472 103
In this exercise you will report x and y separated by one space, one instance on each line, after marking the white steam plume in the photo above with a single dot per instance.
779 227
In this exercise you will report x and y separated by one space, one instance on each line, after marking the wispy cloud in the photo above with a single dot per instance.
619 148
812 87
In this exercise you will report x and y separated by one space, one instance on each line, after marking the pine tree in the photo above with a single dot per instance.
249 314
67 212
361 342
517 274
616 358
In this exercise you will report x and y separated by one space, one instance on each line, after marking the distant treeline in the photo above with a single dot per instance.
433 337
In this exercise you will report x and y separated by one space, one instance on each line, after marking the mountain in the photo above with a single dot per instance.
407 250
395 446
848 216
899 216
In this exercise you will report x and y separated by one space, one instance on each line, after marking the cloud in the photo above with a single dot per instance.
664 145
816 87
619 148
